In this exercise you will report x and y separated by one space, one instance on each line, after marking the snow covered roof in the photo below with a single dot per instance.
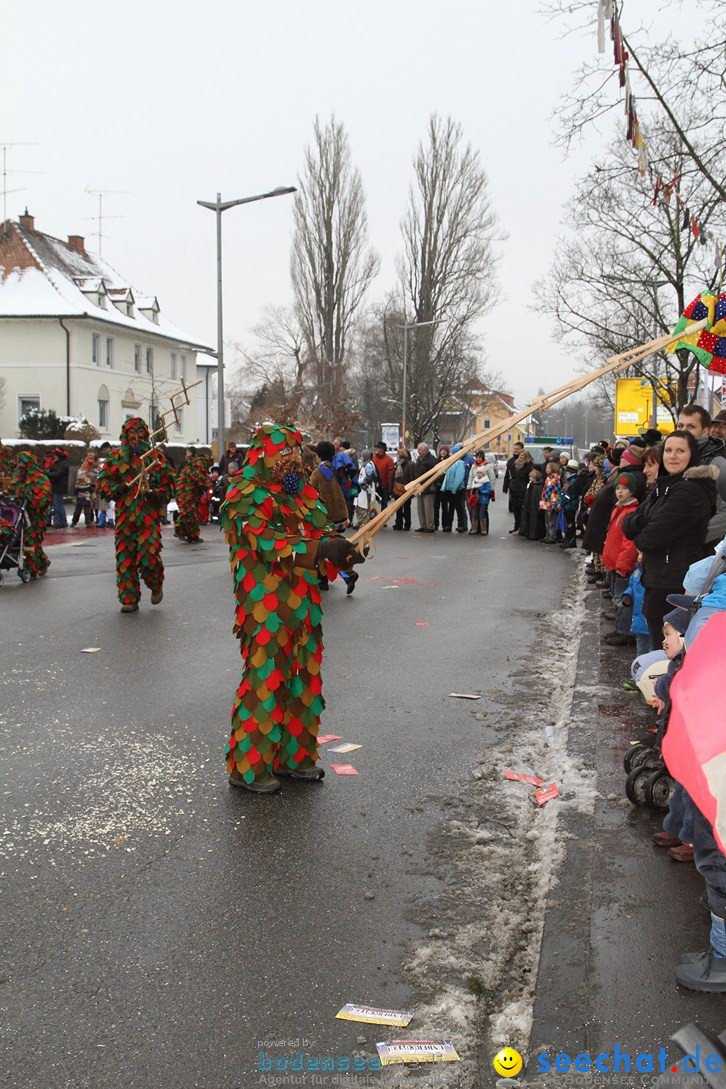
42 276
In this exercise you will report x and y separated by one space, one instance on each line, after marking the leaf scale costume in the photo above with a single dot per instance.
29 482
191 484
279 540
138 513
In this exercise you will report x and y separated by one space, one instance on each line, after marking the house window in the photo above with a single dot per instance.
486 423
137 358
27 404
149 360
179 423
173 364
95 348
103 414
184 367
109 351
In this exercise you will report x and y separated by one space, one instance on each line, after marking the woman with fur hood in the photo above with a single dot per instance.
669 529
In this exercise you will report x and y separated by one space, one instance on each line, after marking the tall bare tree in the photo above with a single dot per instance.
332 264
446 272
629 266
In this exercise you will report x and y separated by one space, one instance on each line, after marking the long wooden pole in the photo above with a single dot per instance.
619 362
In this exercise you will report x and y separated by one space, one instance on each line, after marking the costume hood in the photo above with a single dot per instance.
140 425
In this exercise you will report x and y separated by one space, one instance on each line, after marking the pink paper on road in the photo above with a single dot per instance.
546 794
323 739
344 769
520 777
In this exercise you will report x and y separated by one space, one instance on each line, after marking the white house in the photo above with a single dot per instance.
76 337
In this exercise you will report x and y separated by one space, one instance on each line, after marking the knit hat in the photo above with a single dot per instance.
652 437
632 456
678 619
628 479
572 464
614 455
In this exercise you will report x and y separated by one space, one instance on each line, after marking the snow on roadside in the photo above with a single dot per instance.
475 975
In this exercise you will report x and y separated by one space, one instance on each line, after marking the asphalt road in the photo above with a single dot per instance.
161 928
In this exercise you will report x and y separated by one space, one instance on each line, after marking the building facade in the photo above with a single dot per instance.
77 338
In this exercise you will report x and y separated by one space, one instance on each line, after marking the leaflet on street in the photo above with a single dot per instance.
345 748
416 1051
520 777
546 793
374 1016
344 769
323 739
463 696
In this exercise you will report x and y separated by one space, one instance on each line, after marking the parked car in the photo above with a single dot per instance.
493 459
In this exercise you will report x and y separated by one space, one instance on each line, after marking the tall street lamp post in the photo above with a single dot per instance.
218 207
406 326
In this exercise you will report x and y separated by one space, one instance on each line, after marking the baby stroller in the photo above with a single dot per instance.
13 520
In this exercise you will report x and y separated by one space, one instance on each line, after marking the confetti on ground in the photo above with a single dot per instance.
463 696
323 739
416 1051
345 748
90 650
421 624
520 777
546 794
344 769
374 1016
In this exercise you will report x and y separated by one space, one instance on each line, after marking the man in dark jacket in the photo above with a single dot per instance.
426 461
711 451
57 473
230 454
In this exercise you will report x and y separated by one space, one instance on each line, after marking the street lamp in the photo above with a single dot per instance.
406 326
218 207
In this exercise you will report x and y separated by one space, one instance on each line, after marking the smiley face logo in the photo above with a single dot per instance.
507 1062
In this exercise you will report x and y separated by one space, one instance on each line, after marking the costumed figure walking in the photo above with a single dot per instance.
279 544
191 487
30 483
138 504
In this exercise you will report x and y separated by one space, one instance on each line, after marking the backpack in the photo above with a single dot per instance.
346 474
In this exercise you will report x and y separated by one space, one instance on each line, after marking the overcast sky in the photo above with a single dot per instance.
171 103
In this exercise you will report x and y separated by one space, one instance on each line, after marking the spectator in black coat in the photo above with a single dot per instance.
670 527
516 479
57 473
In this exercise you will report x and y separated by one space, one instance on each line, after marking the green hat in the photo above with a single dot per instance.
628 479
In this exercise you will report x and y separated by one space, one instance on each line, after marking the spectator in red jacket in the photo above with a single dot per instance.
620 556
384 465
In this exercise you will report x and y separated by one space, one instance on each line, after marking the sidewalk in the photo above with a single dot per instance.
622 913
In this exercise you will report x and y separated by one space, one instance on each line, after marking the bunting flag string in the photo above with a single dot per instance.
609 15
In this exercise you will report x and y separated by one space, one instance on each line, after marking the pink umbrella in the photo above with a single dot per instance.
694 746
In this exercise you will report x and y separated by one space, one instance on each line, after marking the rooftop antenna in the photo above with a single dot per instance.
5 174
101 193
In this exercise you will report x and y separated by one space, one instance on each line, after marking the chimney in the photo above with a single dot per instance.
75 241
27 221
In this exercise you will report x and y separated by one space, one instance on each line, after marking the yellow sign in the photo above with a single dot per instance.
634 407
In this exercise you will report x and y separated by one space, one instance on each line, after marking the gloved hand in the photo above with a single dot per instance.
339 552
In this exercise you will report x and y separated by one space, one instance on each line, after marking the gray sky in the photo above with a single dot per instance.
173 102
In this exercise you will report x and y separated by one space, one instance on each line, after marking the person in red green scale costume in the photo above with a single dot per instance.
279 541
138 512
30 483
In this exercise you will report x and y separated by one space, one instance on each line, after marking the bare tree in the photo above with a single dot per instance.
332 264
631 266
446 272
684 84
